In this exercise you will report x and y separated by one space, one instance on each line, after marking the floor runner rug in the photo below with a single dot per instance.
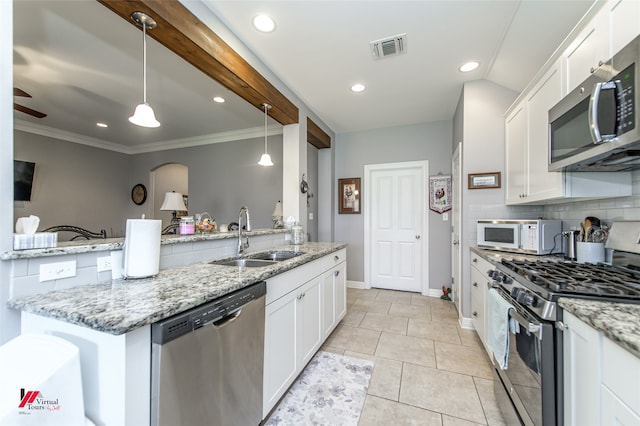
330 391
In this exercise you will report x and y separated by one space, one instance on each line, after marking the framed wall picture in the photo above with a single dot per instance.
484 180
349 200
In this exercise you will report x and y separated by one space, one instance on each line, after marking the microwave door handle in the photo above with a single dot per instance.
594 100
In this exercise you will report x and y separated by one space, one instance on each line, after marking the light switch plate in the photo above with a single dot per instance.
56 271
445 217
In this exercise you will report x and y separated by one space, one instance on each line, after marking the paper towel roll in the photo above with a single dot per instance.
141 252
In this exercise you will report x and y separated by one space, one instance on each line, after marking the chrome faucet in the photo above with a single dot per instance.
243 245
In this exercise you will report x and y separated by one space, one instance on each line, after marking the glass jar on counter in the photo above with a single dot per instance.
297 234
187 225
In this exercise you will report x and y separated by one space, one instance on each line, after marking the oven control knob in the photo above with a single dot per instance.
525 298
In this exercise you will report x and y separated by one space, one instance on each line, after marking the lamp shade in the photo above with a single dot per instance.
173 201
144 116
265 160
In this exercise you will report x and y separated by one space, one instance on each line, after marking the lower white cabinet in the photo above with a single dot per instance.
479 288
601 379
303 306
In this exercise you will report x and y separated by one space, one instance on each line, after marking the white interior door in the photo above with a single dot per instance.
456 222
396 226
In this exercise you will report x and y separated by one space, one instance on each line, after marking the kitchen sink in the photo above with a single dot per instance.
247 263
277 256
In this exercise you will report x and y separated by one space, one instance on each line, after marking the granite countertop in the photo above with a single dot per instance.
620 322
110 244
124 305
495 256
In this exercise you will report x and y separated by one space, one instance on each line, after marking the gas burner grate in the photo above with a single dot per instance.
580 279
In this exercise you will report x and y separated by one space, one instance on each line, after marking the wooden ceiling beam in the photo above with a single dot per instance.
184 34
316 136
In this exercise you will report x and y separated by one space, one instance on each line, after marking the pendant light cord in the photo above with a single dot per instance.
144 62
266 108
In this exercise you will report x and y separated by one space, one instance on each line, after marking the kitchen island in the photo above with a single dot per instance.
111 321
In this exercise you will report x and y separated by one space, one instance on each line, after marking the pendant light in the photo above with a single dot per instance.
144 115
265 160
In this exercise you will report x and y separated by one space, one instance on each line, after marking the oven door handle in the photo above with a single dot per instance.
529 326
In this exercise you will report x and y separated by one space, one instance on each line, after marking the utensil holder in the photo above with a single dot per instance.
590 252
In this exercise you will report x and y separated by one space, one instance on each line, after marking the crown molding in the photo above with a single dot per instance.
234 135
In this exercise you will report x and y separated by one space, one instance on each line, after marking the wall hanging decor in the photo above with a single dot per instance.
349 200
440 193
484 180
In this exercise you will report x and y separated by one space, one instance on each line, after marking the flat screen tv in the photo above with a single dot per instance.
22 180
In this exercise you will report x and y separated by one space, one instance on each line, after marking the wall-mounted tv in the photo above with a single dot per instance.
22 180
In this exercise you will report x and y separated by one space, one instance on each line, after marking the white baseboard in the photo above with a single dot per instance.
466 323
434 292
355 284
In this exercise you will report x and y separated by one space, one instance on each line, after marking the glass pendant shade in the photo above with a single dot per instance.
144 116
265 160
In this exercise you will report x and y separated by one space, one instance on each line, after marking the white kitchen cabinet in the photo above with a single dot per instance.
620 385
601 379
334 297
480 283
528 180
516 155
280 348
581 361
309 330
303 306
625 22
589 49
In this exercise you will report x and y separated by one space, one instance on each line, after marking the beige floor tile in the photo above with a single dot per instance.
394 296
354 339
444 314
420 300
469 337
410 311
385 380
406 348
489 402
388 323
437 331
463 359
441 391
353 318
331 349
454 421
360 293
367 305
379 411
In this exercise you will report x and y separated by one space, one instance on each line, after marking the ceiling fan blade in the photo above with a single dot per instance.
29 111
20 92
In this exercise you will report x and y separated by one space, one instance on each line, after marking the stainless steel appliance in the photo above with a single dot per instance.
596 126
531 387
531 236
207 363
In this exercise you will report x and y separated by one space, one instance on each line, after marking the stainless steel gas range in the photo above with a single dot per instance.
530 389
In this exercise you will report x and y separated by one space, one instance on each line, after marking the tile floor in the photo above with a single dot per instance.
428 371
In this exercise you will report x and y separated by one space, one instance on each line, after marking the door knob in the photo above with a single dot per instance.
456 242
417 237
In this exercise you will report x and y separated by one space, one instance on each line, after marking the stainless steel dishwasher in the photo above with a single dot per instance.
207 363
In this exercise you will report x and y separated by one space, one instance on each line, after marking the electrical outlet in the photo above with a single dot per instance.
104 263
56 271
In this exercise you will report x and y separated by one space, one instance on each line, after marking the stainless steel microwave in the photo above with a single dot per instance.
596 127
531 236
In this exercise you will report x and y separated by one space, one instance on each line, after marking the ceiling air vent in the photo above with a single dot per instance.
389 46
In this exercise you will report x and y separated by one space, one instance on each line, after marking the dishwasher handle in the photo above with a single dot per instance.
227 319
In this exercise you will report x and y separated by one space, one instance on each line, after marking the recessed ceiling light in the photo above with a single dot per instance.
102 125
264 23
469 66
218 99
358 88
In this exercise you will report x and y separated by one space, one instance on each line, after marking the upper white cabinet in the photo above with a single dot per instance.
527 179
588 50
624 19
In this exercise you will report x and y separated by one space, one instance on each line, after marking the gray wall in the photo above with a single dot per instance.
427 141
90 187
